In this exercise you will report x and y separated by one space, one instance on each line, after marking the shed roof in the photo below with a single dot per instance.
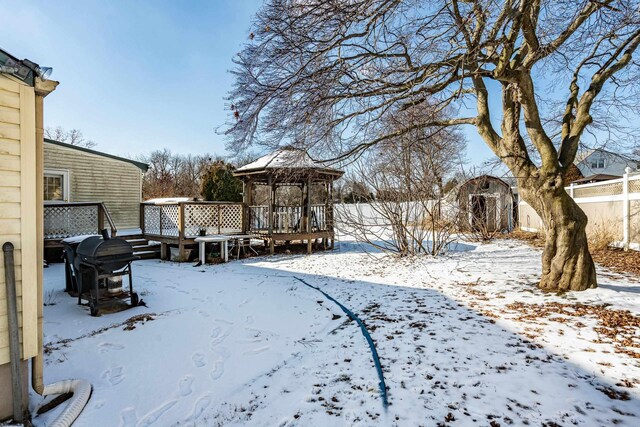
287 160
143 166
453 193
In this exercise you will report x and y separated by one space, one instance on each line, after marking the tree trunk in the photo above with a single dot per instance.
566 262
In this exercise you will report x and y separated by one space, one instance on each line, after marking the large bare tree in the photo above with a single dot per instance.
72 136
325 73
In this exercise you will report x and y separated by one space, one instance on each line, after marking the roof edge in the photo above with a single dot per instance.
140 165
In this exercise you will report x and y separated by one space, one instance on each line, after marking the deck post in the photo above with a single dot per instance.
247 199
164 251
329 215
272 204
100 218
142 218
308 213
310 245
181 231
272 248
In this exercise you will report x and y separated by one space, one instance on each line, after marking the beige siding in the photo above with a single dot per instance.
95 178
18 208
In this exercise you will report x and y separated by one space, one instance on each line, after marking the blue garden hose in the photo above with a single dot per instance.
374 352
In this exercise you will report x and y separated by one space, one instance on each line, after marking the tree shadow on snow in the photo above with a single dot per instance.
442 362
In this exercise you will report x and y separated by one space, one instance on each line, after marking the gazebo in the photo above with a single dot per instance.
288 197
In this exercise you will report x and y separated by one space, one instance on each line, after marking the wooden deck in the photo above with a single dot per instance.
178 224
63 220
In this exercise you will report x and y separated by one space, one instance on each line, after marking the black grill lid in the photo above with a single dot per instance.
95 247
108 255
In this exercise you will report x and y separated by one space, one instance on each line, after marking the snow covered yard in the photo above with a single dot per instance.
463 340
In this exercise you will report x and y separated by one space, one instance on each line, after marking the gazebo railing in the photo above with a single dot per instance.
63 219
187 220
286 219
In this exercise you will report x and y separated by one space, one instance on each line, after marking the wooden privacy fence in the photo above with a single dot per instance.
613 207
187 220
62 220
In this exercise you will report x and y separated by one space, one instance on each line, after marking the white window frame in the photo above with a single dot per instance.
595 163
64 173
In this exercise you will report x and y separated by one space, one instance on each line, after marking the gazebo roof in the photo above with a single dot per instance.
287 161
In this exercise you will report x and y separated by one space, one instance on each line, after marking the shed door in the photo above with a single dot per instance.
485 212
478 211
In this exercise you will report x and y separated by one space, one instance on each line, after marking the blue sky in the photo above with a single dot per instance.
137 76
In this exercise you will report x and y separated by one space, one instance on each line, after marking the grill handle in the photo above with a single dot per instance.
105 234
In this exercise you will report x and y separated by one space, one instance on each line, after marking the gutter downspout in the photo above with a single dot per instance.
14 333
42 89
81 389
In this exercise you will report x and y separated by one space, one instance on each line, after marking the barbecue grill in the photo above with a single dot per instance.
95 261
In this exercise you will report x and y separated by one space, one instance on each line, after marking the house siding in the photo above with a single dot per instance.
18 211
95 178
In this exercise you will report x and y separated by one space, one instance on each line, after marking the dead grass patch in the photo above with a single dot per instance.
615 327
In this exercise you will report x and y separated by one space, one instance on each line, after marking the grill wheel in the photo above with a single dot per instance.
93 309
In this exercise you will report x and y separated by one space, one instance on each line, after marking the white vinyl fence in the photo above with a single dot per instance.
612 206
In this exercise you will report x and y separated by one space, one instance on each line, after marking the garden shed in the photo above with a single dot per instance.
484 202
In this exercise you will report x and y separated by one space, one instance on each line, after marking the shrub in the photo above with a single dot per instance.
219 184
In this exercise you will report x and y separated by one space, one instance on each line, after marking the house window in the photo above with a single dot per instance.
597 163
56 186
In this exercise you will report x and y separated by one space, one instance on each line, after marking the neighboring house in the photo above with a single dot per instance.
78 174
602 162
21 145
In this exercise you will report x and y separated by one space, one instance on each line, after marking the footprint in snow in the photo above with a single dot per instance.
201 404
198 360
222 353
249 320
185 385
257 350
203 313
153 416
253 340
218 335
107 346
218 369
128 417
114 375
179 289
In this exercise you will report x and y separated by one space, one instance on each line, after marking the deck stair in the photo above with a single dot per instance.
143 247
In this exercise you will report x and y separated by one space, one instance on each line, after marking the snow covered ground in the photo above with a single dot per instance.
246 343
